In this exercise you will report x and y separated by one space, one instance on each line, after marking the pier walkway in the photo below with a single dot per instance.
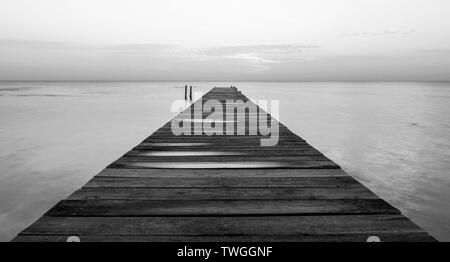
223 188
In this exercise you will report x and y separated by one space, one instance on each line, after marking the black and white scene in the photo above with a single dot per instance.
225 121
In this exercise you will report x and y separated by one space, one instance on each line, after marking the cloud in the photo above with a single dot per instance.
252 57
260 49
259 57
381 33
35 44
257 63
434 50
143 49
60 60
256 58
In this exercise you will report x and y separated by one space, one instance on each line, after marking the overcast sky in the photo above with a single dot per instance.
279 40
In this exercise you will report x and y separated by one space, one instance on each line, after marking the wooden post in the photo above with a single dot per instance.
185 92
190 93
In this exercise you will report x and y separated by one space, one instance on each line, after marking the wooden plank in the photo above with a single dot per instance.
135 208
218 144
230 165
244 150
124 182
273 193
220 153
223 226
217 139
224 134
350 237
199 173
223 158
282 131
225 140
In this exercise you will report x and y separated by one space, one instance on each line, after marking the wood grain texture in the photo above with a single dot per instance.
231 193
343 237
199 173
127 208
233 225
222 182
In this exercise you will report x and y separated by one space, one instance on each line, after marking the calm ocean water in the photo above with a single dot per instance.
392 137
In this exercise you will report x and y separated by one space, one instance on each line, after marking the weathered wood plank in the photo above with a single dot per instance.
222 158
218 182
273 193
217 139
201 226
230 165
351 237
220 153
199 173
134 208
223 143
244 150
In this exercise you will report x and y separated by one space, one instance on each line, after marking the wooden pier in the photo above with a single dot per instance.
223 188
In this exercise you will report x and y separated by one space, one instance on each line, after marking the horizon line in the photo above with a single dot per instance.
255 81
